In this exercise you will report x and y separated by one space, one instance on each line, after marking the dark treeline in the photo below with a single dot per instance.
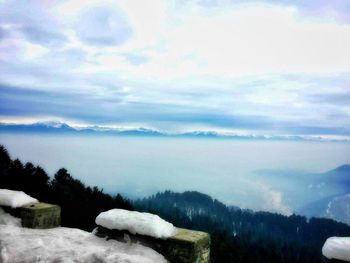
80 204
245 236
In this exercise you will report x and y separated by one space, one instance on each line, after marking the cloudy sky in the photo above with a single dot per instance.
262 67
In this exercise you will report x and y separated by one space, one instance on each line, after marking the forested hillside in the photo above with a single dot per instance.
80 204
237 235
243 235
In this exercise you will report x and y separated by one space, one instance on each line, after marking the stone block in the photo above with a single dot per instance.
40 215
187 246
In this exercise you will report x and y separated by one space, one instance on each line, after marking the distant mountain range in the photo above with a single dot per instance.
63 128
323 194
333 189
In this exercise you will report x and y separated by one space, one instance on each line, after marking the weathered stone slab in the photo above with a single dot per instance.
187 246
40 215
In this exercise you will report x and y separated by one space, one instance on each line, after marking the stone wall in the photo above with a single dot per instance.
187 246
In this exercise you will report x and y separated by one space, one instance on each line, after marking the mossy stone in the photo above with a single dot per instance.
40 215
188 246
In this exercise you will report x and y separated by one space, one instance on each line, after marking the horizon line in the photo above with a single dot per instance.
59 126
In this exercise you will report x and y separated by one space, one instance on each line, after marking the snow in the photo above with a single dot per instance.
15 198
136 223
337 248
68 245
7 219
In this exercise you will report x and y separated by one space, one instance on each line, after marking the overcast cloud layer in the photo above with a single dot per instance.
274 67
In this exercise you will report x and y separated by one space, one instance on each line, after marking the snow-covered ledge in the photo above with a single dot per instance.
33 214
62 244
337 249
175 244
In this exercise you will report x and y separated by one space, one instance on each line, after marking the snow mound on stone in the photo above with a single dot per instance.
67 245
136 223
15 198
7 219
337 248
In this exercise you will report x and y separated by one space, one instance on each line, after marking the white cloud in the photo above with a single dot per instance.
252 40
272 200
184 41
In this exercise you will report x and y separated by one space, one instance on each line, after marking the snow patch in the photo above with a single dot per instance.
67 245
136 223
337 248
15 198
7 219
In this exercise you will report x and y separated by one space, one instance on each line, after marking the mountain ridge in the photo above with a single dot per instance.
273 237
61 127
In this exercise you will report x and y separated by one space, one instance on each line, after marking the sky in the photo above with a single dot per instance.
256 67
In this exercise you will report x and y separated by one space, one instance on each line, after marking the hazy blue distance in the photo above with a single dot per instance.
230 170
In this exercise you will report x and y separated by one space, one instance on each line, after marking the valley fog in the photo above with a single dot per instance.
228 170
